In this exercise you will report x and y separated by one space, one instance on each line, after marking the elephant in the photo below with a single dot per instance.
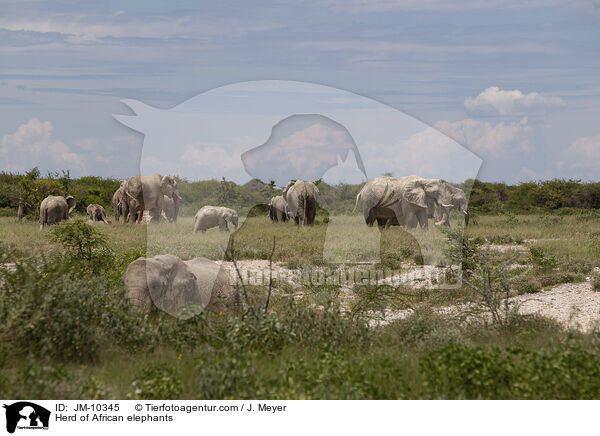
409 201
56 208
147 193
97 213
278 209
174 285
23 207
211 216
301 198
171 207
120 202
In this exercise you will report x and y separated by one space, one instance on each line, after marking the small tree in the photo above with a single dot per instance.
83 243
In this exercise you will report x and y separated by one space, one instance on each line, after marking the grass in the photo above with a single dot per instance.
317 341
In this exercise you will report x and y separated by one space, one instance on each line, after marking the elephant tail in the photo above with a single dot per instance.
135 200
358 196
304 201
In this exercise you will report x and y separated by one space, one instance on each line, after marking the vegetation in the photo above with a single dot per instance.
562 196
67 331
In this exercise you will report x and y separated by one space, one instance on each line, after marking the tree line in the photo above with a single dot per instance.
31 188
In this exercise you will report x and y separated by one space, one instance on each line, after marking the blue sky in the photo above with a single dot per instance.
515 82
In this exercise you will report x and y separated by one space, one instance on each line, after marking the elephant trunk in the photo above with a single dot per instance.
466 212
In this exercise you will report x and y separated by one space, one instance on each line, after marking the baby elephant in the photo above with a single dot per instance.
180 288
97 213
213 216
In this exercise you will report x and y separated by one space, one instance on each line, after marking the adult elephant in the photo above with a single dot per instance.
409 201
171 206
96 213
180 288
278 209
147 193
301 198
56 208
120 203
212 216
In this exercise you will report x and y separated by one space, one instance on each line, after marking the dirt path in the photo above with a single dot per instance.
573 304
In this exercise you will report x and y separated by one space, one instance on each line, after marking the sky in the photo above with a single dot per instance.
513 82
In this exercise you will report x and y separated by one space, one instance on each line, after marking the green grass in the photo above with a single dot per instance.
310 346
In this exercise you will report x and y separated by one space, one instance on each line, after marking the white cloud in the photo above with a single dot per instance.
445 5
380 48
489 140
428 153
209 157
32 145
583 153
494 100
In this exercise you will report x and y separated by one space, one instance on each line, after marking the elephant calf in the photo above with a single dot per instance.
212 216
97 213
278 209
174 285
56 208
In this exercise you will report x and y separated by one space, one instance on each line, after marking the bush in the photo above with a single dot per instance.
425 329
459 371
52 311
156 382
526 284
84 244
264 334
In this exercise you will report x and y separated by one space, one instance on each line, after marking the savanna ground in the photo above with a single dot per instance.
66 330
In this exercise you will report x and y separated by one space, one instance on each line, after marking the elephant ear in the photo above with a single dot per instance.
287 188
415 194
71 202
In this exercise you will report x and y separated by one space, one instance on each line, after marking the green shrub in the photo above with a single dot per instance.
156 382
459 371
265 334
52 311
526 284
92 389
540 259
85 245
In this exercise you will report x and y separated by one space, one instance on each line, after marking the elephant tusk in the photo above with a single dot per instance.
447 205
465 212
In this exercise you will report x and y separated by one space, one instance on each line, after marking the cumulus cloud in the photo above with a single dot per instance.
489 140
583 153
210 156
494 100
33 145
302 147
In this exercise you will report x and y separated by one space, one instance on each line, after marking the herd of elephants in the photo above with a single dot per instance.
171 284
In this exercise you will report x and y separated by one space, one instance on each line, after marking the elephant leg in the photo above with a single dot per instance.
388 223
223 226
421 216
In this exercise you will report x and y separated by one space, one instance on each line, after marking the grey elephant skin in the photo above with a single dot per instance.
56 208
278 209
181 288
96 213
212 216
301 198
171 207
409 201
147 193
121 203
